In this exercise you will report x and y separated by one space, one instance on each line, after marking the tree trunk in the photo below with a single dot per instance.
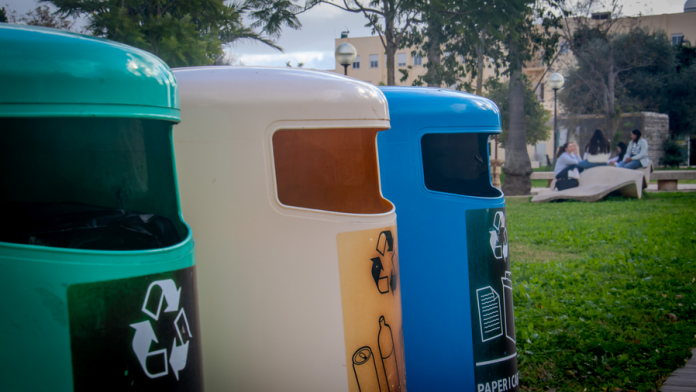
433 77
391 51
610 97
479 63
518 167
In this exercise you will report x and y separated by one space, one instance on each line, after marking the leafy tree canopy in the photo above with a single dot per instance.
40 16
535 116
651 75
180 32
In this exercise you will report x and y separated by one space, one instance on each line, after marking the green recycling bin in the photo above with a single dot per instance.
97 275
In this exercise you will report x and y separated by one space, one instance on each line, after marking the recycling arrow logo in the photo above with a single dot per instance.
499 236
145 334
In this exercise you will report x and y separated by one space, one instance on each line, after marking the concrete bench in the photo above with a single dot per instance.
597 183
647 172
543 176
667 179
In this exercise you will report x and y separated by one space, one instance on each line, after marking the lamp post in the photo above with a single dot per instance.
345 54
555 81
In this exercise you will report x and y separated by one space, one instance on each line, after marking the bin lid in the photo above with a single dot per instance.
258 96
53 73
428 106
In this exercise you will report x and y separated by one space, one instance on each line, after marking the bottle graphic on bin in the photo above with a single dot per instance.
387 352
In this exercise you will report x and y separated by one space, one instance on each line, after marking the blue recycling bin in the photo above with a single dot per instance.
459 332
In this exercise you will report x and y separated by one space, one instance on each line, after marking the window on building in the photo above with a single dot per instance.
417 60
677 39
601 15
356 63
540 92
374 61
401 59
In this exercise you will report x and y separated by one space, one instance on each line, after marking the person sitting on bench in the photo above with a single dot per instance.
567 160
620 152
636 153
597 151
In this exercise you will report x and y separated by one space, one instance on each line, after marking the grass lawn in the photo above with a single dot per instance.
605 293
535 183
680 181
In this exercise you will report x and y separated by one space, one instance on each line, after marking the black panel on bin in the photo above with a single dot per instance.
457 163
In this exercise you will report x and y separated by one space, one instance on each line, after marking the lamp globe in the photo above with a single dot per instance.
555 81
345 54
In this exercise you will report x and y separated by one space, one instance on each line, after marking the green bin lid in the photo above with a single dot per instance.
53 73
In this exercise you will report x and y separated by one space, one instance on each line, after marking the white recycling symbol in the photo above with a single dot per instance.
499 237
145 335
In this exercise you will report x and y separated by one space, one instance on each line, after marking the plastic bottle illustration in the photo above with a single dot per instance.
387 351
365 370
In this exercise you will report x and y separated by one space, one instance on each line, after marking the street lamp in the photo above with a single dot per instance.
555 81
345 54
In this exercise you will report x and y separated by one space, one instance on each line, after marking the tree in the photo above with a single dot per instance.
226 58
3 15
482 36
535 116
668 86
605 49
673 156
649 75
42 16
389 19
182 32
460 29
678 96
527 38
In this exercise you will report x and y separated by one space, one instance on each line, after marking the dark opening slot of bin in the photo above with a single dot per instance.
457 163
88 183
84 226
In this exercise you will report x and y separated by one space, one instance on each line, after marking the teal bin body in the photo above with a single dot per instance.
97 266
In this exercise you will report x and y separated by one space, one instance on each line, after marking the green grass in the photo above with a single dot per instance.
594 286
680 181
535 183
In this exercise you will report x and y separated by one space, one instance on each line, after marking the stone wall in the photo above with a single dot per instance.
656 131
653 126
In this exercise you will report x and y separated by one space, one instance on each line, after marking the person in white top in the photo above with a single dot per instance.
597 151
567 160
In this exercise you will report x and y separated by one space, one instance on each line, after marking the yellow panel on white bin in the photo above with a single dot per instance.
297 250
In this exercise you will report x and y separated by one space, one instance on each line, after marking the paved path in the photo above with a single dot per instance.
684 379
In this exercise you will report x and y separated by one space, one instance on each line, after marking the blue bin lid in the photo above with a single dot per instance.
449 108
53 73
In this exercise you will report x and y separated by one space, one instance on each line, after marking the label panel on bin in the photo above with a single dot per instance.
139 333
490 291
371 298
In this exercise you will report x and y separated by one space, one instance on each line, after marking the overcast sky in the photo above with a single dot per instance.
314 43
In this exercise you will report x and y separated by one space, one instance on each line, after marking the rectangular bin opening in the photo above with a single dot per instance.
457 163
89 183
329 169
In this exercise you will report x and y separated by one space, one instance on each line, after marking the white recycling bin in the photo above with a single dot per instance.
296 246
